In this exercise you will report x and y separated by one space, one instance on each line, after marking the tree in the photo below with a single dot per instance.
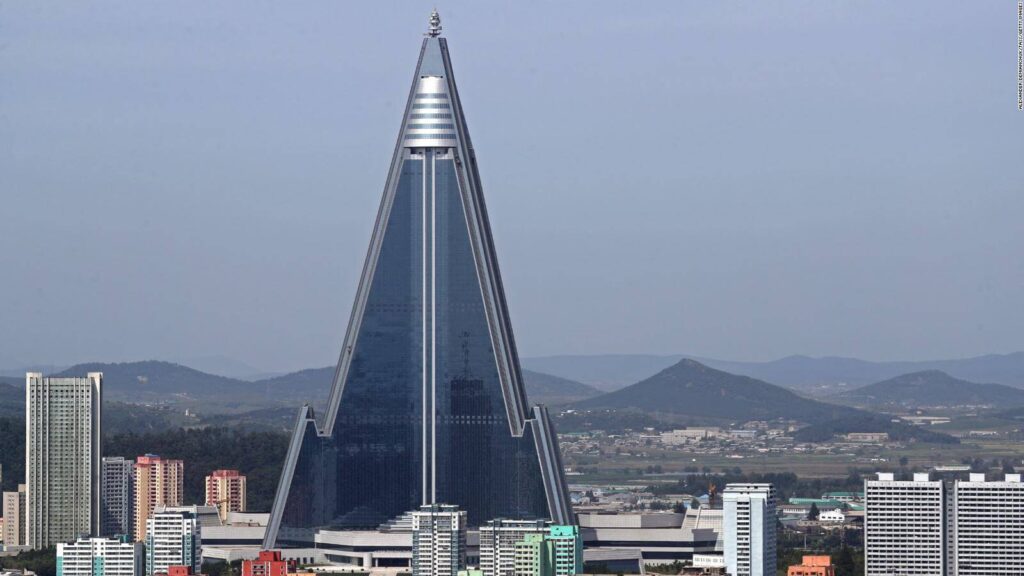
43 562
844 563
812 514
258 455
12 452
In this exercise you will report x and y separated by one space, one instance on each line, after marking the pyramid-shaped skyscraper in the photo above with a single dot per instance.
428 404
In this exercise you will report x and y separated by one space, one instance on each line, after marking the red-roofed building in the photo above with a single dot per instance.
269 563
179 571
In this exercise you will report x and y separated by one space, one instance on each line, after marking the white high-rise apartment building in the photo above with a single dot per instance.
100 557
498 540
904 526
117 496
960 527
62 458
173 538
438 540
749 520
988 538
14 518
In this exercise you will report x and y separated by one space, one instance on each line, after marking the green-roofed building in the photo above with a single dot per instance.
821 503
533 556
843 496
559 552
567 547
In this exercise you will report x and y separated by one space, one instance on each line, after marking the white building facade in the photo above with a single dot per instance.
834 516
749 520
988 537
904 526
960 526
100 557
173 538
498 544
438 540
62 458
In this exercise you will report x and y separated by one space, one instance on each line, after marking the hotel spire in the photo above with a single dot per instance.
435 24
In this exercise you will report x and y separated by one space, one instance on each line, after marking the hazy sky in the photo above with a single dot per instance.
742 180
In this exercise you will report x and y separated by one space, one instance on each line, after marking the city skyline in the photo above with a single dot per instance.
700 202
768 218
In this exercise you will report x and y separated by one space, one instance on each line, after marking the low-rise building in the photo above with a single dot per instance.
498 540
100 557
687 435
14 518
867 437
845 497
180 571
813 566
660 538
834 516
268 563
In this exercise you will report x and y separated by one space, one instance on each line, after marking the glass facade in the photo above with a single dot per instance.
368 470
481 467
419 413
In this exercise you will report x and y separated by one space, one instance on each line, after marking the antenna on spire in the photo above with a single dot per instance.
435 24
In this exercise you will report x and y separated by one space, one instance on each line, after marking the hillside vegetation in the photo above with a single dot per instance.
690 392
692 389
931 388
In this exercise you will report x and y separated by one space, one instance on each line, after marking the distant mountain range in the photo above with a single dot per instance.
540 388
823 376
153 395
930 388
817 376
605 372
692 389
689 391
165 383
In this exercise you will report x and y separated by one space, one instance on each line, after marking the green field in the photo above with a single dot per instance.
622 468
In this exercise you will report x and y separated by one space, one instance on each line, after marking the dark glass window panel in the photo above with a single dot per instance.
369 469
482 468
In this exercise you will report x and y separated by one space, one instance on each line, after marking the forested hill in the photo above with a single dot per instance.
931 388
690 388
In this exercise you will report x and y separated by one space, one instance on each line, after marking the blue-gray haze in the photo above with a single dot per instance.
727 179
